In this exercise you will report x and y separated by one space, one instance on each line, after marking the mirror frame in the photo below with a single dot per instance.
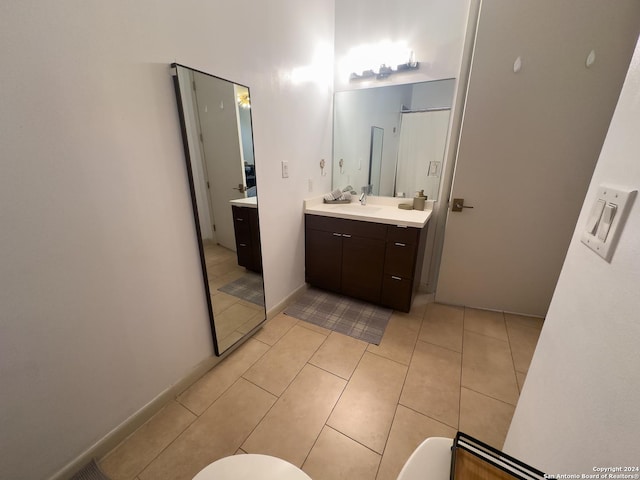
192 191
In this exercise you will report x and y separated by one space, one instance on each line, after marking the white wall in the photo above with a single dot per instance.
579 405
101 297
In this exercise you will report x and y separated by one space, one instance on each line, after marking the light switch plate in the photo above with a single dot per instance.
607 196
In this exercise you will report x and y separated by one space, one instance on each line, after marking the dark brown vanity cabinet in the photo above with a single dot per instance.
245 225
371 261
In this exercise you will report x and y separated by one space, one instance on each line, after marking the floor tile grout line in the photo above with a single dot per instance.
491 397
261 418
354 440
386 443
278 397
345 387
404 381
167 446
441 346
337 400
226 389
513 360
326 424
335 374
427 416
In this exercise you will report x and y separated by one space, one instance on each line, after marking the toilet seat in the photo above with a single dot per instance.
430 461
249 467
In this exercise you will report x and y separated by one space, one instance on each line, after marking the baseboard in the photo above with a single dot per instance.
287 301
135 421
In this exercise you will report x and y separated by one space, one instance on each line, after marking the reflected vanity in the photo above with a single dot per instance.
215 117
392 137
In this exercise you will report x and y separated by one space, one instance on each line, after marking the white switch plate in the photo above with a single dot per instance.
622 199
285 169
434 169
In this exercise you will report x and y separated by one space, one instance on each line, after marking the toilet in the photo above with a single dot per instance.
250 466
430 461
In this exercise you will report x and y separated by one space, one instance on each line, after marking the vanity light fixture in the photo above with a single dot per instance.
384 71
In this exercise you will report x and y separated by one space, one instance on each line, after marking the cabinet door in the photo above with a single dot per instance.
242 231
323 259
362 267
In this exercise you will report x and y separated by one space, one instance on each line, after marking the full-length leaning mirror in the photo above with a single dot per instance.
215 116
392 137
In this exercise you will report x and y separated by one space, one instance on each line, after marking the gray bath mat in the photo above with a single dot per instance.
248 287
90 472
352 317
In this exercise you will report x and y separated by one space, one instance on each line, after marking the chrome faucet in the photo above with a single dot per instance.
366 190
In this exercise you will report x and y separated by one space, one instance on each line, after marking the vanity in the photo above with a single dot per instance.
247 233
372 252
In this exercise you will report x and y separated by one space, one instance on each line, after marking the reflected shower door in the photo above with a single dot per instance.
423 137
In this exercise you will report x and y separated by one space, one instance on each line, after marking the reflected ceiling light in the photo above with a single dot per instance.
243 99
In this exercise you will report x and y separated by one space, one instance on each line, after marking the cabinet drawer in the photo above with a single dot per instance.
396 292
400 259
345 226
409 235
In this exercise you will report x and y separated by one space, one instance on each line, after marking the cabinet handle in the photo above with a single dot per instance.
395 278
239 219
243 244
398 244
401 226
337 234
346 236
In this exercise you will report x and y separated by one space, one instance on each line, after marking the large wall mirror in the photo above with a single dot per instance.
392 137
215 116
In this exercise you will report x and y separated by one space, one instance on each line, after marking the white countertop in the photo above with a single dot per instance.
378 210
251 202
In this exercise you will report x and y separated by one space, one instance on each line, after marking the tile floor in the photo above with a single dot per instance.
337 407
234 316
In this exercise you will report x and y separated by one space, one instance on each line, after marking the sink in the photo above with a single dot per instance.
356 208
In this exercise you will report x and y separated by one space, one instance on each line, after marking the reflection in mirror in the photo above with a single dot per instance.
375 159
215 116
392 137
